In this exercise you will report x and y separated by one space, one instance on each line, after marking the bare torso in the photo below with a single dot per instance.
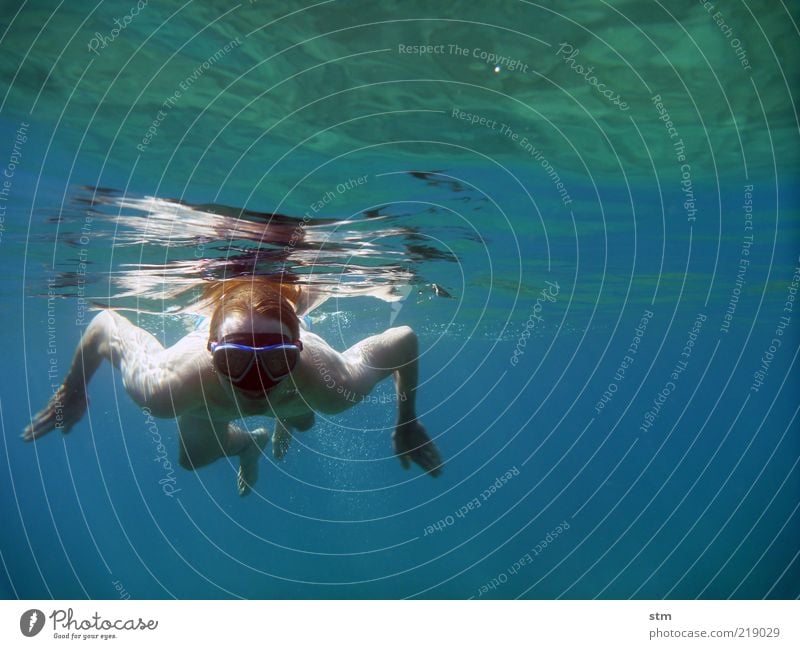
323 380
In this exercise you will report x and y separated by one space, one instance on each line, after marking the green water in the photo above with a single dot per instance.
330 79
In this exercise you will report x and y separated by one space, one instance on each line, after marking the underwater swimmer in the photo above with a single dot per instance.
252 357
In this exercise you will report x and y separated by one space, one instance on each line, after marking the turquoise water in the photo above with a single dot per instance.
603 286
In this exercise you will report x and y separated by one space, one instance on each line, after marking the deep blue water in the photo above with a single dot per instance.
596 498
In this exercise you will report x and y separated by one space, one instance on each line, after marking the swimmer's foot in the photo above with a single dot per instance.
281 439
412 444
248 461
62 412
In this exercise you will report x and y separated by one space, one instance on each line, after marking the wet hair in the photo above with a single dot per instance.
253 296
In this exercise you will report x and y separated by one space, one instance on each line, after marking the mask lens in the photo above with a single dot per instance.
255 380
279 362
232 362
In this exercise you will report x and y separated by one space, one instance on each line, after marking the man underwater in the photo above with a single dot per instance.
252 357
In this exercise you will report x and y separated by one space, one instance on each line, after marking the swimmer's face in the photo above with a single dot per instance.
246 325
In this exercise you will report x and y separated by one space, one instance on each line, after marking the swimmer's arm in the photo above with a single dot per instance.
341 380
332 381
167 381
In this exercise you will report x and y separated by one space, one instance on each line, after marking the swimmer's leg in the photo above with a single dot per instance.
203 441
281 439
303 422
251 446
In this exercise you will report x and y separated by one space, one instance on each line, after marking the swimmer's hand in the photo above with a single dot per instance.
412 444
65 408
248 459
281 439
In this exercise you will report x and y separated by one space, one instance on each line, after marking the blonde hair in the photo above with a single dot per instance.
250 296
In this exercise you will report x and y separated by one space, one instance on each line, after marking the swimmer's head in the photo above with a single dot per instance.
256 314
245 305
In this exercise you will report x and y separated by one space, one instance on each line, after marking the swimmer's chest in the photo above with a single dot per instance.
283 402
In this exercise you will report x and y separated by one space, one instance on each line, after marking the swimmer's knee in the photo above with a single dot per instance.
303 422
184 463
195 456
184 459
